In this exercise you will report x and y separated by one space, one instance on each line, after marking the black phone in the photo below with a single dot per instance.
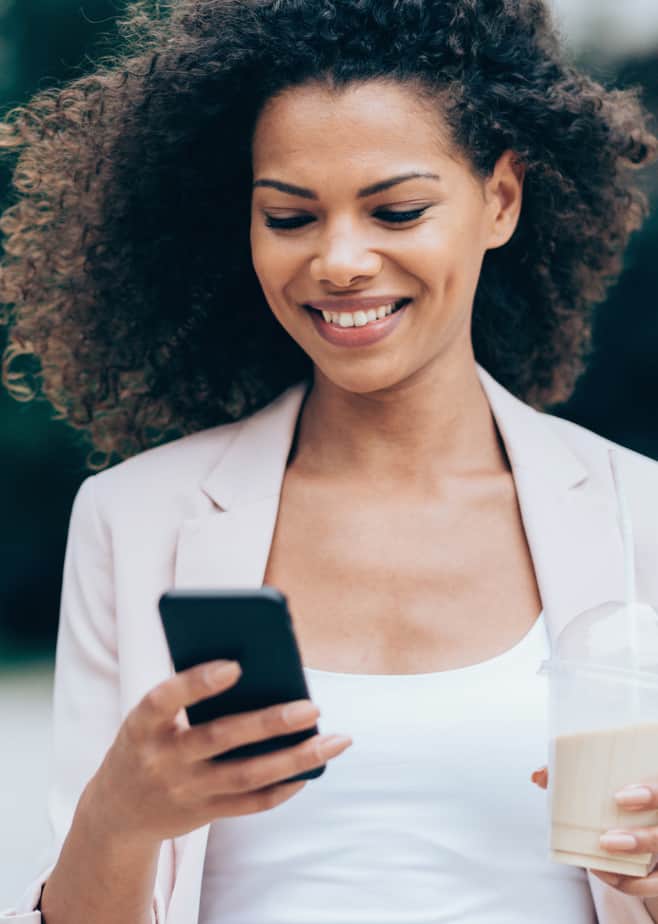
254 628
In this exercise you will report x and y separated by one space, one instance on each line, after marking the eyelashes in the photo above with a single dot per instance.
288 224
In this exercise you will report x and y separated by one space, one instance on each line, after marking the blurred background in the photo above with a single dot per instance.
42 463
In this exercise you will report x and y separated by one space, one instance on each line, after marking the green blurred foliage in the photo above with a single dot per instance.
42 42
42 461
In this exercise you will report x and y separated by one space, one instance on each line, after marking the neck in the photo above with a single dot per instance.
437 426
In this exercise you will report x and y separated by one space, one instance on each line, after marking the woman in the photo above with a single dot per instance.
433 192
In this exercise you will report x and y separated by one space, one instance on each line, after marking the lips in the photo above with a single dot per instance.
362 335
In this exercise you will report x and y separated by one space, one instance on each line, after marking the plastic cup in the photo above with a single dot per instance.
603 736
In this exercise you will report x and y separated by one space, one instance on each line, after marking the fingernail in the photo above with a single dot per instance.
297 712
634 795
618 840
333 743
220 670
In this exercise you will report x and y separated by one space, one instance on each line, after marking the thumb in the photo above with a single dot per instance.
540 777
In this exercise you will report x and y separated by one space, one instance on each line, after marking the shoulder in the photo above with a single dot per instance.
170 478
144 499
639 474
164 471
547 437
589 446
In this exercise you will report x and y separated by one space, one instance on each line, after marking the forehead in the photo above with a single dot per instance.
362 127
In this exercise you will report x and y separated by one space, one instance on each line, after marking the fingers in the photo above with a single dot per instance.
611 879
162 703
638 886
246 775
638 796
260 801
229 732
631 840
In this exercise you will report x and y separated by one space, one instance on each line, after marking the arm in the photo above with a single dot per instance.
86 718
124 785
99 879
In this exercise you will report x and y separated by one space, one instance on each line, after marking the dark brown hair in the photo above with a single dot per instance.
130 296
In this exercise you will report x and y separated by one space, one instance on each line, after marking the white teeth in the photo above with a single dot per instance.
358 318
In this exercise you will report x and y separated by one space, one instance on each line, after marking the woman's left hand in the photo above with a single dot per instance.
646 839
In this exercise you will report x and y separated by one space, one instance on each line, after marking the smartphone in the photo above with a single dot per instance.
254 628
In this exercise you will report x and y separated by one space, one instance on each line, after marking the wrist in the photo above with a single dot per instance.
103 873
107 827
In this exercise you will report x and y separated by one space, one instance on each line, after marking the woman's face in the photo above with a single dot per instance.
334 227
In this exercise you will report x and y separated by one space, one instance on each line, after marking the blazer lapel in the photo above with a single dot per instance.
568 510
228 545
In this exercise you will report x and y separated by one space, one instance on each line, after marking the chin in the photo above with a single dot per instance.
358 381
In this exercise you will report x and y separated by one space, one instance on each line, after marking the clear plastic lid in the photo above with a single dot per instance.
618 636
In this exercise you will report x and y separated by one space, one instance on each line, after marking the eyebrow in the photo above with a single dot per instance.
362 193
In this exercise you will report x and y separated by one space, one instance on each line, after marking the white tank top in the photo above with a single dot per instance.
428 818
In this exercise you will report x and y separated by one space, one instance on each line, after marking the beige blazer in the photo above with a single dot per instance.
200 512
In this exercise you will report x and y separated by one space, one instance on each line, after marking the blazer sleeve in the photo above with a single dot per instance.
86 709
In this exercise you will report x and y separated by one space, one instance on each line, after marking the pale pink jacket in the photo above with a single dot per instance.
200 512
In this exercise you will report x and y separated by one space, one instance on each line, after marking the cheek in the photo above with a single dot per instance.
450 254
269 263
272 264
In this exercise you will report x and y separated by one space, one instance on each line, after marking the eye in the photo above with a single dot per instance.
284 224
399 217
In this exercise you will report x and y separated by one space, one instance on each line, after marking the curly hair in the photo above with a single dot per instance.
127 236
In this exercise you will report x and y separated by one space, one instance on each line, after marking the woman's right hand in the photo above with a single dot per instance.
157 781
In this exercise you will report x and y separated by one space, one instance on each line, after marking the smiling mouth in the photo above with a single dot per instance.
360 318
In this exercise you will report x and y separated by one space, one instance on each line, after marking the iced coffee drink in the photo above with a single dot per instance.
589 768
603 720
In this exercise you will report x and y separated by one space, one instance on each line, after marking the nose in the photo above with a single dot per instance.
344 259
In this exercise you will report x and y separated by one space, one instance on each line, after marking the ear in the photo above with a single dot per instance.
504 197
